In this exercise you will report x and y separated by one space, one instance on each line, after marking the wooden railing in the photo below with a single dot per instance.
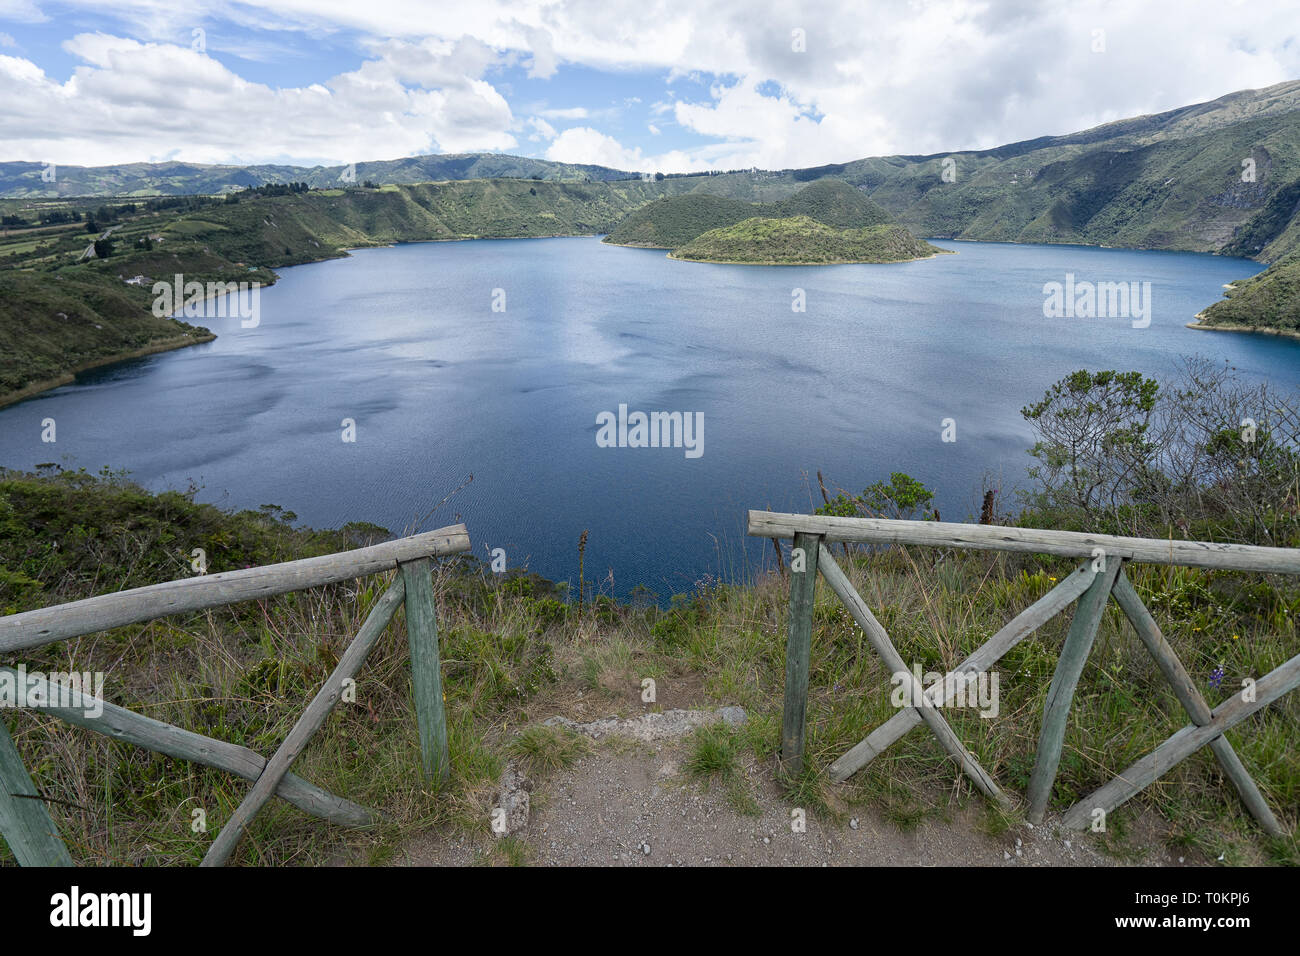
25 823
1100 578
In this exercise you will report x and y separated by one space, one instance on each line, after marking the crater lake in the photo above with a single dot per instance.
406 343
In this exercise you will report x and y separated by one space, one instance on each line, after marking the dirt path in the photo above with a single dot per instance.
630 803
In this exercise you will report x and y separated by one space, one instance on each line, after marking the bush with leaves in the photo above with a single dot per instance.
1206 455
902 497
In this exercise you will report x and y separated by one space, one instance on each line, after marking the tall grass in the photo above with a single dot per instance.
514 653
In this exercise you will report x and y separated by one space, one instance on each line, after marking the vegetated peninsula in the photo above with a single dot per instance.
673 221
52 327
825 223
802 240
1268 302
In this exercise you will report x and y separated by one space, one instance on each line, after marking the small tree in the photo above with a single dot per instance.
1092 447
902 497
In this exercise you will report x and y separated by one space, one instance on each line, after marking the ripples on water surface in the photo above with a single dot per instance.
404 341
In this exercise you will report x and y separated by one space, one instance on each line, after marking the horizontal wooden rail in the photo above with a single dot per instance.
126 725
1070 544
46 625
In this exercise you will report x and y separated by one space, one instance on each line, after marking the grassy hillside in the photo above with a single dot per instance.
327 222
673 221
800 240
832 202
1270 300
1170 180
52 325
1184 193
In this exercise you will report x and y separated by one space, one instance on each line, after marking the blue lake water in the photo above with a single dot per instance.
405 342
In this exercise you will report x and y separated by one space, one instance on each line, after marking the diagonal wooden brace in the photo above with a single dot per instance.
1274 685
90 712
988 654
1190 697
25 824
311 720
879 640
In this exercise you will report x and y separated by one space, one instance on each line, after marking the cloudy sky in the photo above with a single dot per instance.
636 84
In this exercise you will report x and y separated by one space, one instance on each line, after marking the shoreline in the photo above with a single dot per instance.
184 341
404 242
70 376
836 262
632 245
1100 245
179 342
1253 329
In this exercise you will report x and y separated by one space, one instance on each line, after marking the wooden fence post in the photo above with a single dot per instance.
798 648
1060 694
24 822
426 670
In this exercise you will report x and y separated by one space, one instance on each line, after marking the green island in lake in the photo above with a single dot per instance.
827 222
802 240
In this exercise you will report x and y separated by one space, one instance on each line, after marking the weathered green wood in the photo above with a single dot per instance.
879 640
25 824
1183 744
1068 544
122 724
1190 697
988 654
34 628
798 650
426 668
1060 694
311 720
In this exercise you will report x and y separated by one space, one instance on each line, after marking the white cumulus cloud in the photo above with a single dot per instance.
788 83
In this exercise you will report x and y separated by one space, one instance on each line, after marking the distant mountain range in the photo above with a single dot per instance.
1221 176
24 180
